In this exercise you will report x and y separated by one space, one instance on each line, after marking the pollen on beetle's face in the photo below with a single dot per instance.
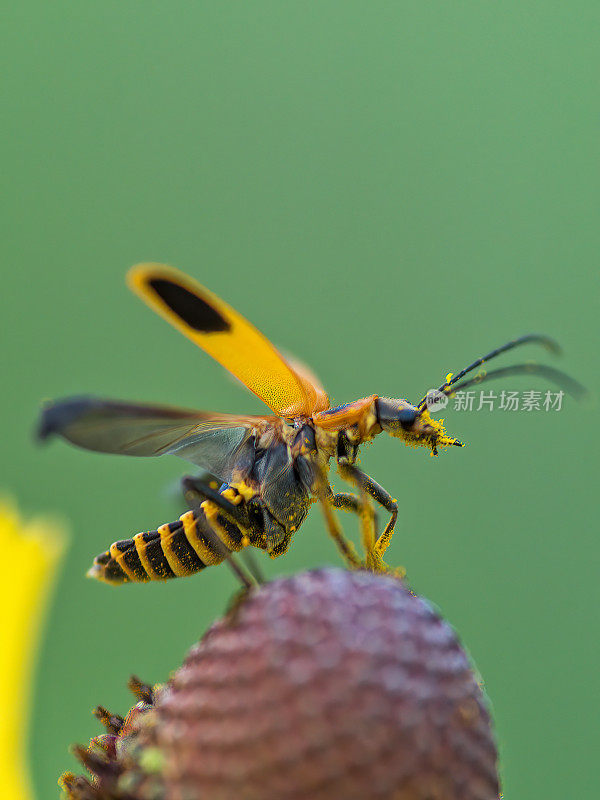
426 432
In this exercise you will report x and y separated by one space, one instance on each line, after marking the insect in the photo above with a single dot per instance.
269 469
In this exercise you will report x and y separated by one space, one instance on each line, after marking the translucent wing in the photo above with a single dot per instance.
213 441
227 337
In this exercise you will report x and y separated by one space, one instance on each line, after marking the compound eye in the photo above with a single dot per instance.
407 416
394 414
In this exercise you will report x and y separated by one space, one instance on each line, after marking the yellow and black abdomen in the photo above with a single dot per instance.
174 550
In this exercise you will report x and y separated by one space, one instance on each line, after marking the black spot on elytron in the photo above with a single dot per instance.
194 311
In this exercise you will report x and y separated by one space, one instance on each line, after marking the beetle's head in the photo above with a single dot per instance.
413 425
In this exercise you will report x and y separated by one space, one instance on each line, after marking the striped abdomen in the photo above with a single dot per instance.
174 550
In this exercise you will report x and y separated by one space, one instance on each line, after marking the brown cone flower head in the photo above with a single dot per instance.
329 685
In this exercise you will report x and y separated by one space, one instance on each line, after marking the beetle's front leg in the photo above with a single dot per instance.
356 476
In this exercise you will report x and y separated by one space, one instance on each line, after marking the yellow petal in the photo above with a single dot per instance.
30 553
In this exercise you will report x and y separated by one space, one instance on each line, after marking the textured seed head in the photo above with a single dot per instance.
329 685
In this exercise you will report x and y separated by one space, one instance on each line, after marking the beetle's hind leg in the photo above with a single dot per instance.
232 521
252 565
196 491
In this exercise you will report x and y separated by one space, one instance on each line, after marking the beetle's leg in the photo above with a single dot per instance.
362 507
247 556
367 527
196 492
359 478
350 502
325 496
345 547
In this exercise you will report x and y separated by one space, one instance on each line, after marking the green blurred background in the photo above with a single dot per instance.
387 190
